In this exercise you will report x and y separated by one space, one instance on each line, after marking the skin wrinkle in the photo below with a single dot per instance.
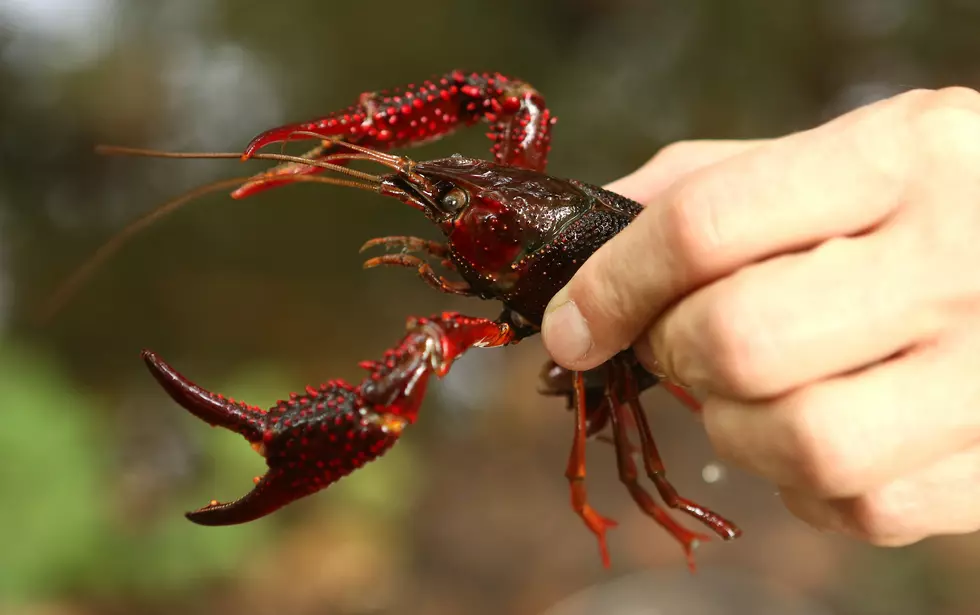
724 320
753 319
733 334
941 238
753 163
898 514
894 160
614 301
805 435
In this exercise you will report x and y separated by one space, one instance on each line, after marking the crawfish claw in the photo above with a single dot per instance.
520 123
309 441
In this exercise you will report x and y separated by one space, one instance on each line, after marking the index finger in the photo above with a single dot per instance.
841 178
673 162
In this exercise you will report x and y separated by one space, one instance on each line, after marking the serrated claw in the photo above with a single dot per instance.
311 441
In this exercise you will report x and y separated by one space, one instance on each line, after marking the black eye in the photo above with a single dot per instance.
454 200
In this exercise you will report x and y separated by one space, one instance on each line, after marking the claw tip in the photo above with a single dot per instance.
250 149
150 358
202 516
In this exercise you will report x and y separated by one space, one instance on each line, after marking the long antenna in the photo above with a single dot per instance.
80 276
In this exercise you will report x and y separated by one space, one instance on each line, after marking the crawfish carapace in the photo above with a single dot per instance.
511 233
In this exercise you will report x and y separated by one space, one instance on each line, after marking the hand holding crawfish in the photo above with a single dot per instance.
512 233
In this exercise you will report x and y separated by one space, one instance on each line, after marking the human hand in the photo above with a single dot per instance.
824 289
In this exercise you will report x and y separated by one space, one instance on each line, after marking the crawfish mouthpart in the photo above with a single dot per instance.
512 233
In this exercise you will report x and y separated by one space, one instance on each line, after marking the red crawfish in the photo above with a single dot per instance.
512 233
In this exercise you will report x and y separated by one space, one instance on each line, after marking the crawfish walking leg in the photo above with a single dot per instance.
682 395
410 244
425 270
658 474
575 473
628 475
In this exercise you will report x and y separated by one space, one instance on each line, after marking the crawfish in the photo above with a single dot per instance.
512 233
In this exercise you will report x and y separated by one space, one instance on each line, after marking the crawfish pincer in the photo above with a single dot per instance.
314 439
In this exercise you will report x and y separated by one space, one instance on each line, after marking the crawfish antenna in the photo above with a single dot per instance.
81 275
395 163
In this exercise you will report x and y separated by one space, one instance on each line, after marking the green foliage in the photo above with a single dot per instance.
52 480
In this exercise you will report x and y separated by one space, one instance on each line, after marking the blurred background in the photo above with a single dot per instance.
257 298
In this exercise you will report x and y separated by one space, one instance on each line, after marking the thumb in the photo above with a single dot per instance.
596 314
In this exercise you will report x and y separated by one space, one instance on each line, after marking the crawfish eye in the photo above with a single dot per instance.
454 200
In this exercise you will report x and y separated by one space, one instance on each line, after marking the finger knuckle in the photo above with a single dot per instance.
820 459
946 123
881 520
921 100
676 151
908 100
692 223
954 97
727 439
739 341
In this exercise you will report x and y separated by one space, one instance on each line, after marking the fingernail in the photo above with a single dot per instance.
565 332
